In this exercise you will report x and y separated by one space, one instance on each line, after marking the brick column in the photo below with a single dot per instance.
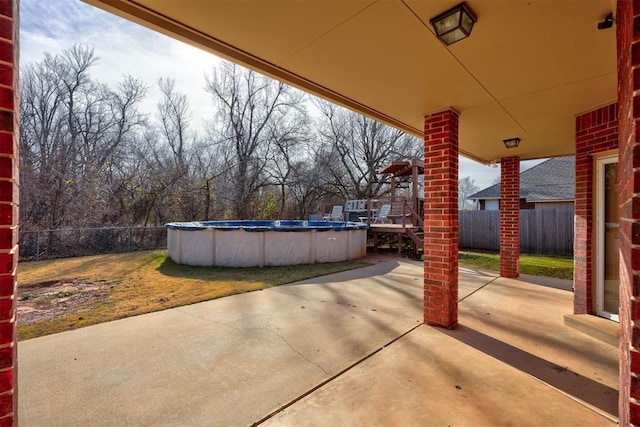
596 131
8 207
510 216
628 43
441 219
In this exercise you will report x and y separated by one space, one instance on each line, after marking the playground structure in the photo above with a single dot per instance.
395 222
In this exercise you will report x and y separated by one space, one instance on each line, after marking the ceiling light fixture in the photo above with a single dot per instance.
511 142
455 24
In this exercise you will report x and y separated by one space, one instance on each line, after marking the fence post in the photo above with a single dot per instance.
546 231
38 244
130 239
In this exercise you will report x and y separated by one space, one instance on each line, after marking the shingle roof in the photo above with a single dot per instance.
553 179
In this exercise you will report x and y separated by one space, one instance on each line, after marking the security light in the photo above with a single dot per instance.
606 23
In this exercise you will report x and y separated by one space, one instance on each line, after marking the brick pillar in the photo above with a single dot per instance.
510 216
8 207
596 131
628 43
441 219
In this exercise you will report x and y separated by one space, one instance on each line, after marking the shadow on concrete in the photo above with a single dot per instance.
598 395
549 282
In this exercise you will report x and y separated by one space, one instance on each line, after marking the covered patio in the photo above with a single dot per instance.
345 349
557 76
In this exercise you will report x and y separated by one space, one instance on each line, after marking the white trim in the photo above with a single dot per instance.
549 200
600 226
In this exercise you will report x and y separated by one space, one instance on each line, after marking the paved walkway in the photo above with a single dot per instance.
346 349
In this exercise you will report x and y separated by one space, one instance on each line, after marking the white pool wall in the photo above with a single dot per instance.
239 248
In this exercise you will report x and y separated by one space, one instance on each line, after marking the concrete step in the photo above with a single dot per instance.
597 327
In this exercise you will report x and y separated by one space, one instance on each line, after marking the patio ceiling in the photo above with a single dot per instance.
528 68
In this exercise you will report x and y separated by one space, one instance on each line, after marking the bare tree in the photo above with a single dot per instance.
466 187
289 145
73 131
307 188
354 147
89 157
255 116
178 197
175 118
208 172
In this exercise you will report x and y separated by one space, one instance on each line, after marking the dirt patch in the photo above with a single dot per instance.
51 300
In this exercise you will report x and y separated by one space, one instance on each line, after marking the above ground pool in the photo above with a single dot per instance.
265 243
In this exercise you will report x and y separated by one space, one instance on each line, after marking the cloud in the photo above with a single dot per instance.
124 48
482 175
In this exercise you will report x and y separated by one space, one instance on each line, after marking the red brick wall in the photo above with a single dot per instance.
8 207
628 42
441 219
510 216
596 131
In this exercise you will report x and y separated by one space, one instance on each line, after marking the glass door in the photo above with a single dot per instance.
607 227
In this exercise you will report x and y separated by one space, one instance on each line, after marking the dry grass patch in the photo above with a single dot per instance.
65 294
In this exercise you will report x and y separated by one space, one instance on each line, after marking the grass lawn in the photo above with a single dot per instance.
142 282
89 290
537 265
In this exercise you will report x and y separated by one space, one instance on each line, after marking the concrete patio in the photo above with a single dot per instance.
346 349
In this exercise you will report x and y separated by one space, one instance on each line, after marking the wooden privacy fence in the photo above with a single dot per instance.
542 231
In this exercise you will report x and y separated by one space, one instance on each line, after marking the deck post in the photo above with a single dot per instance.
414 185
393 189
441 219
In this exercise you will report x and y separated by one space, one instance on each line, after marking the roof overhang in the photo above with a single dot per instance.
399 169
528 68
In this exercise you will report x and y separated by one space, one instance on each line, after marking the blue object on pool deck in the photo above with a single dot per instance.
285 225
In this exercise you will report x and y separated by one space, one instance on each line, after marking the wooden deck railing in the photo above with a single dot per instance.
402 212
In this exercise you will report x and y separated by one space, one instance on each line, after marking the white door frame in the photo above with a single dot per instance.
600 238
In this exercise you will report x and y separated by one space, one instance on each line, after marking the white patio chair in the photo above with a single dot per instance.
336 214
382 216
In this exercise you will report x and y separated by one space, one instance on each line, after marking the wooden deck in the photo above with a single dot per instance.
391 228
393 234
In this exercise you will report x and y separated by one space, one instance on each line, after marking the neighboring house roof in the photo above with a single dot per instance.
549 181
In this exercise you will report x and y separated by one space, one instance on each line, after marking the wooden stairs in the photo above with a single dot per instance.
417 236
403 222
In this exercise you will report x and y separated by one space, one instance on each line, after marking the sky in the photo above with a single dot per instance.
126 48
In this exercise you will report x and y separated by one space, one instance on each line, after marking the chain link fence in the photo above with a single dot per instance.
73 242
